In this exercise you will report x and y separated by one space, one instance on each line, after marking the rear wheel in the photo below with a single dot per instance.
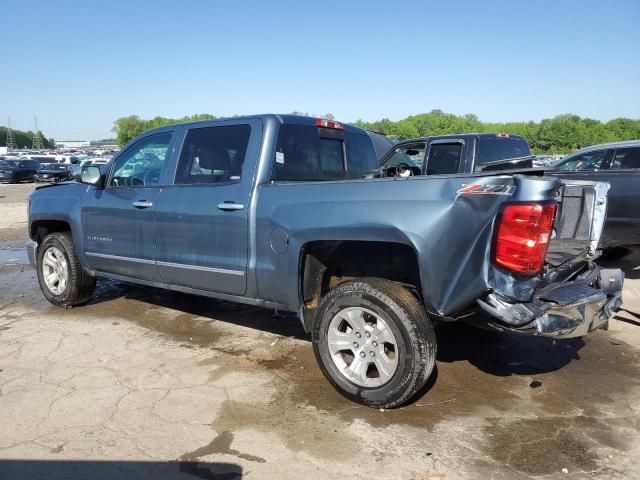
374 342
62 279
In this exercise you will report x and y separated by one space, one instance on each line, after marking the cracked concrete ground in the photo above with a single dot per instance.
143 383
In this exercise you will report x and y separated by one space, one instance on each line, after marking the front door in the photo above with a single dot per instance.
119 220
202 220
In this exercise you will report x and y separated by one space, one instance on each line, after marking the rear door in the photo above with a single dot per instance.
202 224
119 220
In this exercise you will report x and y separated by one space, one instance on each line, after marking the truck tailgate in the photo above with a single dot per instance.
582 207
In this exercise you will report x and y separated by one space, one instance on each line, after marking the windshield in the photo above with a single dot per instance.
493 149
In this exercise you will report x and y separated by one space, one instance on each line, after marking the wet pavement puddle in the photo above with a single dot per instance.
13 257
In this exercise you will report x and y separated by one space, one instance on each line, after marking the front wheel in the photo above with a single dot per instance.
62 279
374 342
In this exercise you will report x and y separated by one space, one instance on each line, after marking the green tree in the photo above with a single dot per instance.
127 128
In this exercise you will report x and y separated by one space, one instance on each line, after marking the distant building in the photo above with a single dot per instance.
72 143
106 143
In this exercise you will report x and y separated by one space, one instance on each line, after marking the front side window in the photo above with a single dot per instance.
444 158
213 155
626 158
404 161
141 164
410 155
585 161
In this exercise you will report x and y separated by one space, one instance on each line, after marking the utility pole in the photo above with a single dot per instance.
37 137
11 142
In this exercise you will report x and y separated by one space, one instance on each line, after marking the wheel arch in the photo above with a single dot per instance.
38 229
325 264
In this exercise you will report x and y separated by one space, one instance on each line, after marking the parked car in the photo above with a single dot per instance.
273 211
70 159
14 171
449 154
619 164
51 172
42 158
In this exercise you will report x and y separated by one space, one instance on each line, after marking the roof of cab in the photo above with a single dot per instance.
600 146
267 117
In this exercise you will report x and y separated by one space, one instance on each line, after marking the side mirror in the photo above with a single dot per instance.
90 174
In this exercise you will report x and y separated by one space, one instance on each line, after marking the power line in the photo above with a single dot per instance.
11 142
37 136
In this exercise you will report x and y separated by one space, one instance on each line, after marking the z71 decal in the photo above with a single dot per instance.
486 189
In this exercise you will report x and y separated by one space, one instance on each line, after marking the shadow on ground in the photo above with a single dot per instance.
504 354
495 353
109 470
630 265
108 291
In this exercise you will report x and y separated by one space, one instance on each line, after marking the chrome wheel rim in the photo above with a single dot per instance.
55 270
362 347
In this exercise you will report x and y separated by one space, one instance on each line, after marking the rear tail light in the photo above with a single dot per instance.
523 236
326 123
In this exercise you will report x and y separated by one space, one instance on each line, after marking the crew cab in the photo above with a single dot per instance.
617 163
462 153
278 211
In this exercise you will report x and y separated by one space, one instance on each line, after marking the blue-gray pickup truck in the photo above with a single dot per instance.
281 211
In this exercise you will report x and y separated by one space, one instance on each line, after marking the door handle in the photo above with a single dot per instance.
142 204
230 206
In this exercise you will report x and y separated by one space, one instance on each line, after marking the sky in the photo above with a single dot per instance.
79 65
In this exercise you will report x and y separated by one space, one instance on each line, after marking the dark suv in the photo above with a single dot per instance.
457 154
619 164
14 171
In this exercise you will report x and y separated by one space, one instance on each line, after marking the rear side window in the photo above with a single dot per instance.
493 149
444 158
309 153
213 154
626 158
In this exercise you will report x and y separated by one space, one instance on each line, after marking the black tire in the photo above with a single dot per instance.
80 284
407 320
615 253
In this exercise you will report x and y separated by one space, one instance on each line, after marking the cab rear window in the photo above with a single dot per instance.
497 148
309 153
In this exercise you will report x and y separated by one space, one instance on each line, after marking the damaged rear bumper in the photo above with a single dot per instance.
561 310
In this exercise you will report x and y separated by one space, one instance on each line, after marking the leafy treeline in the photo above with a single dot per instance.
23 139
127 128
559 134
